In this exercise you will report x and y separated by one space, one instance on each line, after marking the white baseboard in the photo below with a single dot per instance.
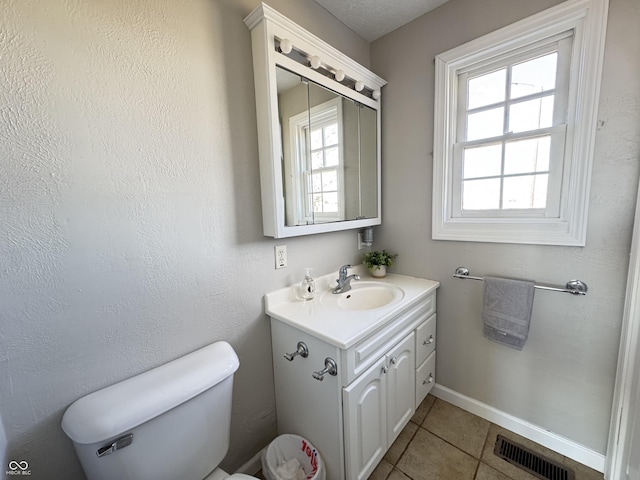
559 444
254 464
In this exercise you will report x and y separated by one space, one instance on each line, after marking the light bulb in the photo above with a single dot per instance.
286 46
375 94
339 75
315 61
359 86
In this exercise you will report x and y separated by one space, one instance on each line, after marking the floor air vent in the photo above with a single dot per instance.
531 462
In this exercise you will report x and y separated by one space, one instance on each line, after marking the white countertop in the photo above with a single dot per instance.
342 328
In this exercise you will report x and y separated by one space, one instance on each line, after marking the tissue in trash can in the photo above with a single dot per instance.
291 470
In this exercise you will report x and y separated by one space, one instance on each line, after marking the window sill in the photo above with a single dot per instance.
518 231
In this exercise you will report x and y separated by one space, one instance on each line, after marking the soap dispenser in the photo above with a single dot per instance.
308 286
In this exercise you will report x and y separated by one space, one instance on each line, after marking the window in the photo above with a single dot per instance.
514 127
318 163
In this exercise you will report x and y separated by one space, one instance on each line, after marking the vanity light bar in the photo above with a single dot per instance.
285 47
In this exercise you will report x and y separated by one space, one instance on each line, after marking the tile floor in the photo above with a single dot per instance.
444 442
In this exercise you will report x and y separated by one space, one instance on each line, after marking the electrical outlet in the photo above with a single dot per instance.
281 256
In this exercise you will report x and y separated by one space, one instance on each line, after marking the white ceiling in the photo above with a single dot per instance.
371 19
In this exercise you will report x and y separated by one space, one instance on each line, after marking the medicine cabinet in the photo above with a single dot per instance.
318 116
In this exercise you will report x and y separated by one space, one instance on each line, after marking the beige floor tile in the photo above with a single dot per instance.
382 471
430 458
397 475
485 472
458 427
400 445
505 467
423 409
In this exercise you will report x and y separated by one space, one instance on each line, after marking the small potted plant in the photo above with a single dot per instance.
378 261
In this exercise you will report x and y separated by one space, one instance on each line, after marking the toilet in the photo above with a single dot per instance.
170 422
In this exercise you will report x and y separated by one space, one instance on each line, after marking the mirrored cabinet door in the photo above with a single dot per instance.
327 156
329 153
368 161
293 113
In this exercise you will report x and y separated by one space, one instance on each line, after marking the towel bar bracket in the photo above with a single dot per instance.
574 287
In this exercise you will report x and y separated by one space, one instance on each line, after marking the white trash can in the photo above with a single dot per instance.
291 457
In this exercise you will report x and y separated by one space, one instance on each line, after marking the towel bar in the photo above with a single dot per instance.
574 287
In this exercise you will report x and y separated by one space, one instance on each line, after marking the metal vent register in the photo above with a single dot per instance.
531 462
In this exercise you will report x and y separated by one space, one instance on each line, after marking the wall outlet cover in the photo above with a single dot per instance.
281 256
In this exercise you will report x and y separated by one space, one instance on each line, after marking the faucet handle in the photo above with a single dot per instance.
343 269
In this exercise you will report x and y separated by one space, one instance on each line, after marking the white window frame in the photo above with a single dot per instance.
557 132
329 110
568 224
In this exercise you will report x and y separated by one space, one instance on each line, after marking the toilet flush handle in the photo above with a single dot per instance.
116 445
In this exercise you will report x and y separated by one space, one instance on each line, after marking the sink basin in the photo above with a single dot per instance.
365 296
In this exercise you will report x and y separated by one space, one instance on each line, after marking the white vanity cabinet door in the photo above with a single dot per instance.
365 425
400 386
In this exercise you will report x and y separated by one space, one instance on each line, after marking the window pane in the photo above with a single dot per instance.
535 76
316 139
528 191
317 160
331 134
316 182
481 194
330 181
482 161
485 124
531 115
527 156
332 157
330 202
487 89
317 202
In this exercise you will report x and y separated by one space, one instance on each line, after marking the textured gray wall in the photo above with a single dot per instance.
130 207
563 379
129 199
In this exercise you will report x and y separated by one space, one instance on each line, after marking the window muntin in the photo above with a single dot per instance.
509 113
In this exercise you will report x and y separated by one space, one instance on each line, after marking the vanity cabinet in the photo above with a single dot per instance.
354 416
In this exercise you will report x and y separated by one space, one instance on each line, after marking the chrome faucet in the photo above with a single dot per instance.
344 281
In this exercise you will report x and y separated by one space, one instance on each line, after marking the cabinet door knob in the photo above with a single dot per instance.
428 380
428 341
302 350
385 369
394 360
330 367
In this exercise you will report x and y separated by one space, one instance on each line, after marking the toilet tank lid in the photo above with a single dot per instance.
115 409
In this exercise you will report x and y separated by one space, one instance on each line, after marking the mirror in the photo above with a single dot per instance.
318 115
329 153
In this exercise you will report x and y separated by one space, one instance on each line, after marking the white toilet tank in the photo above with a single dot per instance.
172 422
